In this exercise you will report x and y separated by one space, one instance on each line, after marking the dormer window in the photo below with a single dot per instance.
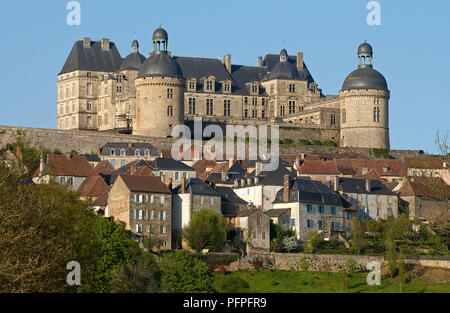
147 153
209 85
122 152
137 153
255 89
192 85
113 152
227 87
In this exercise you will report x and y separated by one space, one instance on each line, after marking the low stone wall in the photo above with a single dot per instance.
326 262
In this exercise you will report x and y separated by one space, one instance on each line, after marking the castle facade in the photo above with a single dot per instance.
98 90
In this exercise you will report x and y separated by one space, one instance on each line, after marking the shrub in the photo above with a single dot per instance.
233 284
352 266
257 263
316 143
287 141
380 153
304 264
329 143
289 243
303 142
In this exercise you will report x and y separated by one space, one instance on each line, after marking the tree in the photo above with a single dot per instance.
315 240
206 229
183 272
359 241
136 277
233 284
290 243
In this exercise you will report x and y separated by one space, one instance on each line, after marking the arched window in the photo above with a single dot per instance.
376 114
169 110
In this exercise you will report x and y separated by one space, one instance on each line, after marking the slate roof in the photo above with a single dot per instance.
133 62
91 157
168 164
229 195
272 60
92 58
243 74
356 185
198 68
365 78
216 178
196 186
309 191
277 212
160 64
129 151
145 183
248 213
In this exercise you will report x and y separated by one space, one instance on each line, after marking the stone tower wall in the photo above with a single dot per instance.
358 128
152 102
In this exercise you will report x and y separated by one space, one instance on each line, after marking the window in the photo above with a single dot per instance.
73 90
309 223
89 120
291 106
170 110
344 116
139 228
106 118
113 163
254 101
349 215
333 210
226 107
254 235
390 212
263 101
245 100
227 87
255 113
67 92
191 105
209 85
321 209
162 229
263 113
61 109
389 199
62 180
136 198
320 224
211 201
246 113
152 228
201 200
119 89
152 199
376 114
291 88
89 89
122 152
61 93
89 105
160 215
282 110
293 222
147 199
378 212
164 215
122 163
254 89
147 153
169 93
263 235
176 175
333 119
147 216
137 153
161 199
209 107
309 208
192 85
378 199
89 74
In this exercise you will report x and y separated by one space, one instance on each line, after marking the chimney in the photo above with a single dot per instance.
183 185
99 151
336 183
368 189
130 145
19 154
249 181
41 165
300 61
258 166
286 189
227 62
105 44
133 169
260 61
87 42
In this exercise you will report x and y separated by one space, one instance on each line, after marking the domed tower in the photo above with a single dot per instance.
365 105
159 92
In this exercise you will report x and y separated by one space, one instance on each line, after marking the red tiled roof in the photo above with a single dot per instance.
424 163
318 167
103 199
143 171
202 165
93 186
372 175
104 168
60 165
221 167
383 167
433 187
145 183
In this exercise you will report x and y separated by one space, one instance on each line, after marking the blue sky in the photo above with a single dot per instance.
411 48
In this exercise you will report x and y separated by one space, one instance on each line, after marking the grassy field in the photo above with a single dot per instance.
424 280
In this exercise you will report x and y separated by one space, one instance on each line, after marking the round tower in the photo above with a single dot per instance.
159 92
364 102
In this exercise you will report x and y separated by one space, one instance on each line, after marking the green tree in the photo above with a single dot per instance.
138 276
182 272
358 235
206 229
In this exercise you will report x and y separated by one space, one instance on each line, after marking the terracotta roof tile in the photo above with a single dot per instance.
104 168
93 186
60 165
425 163
433 187
145 183
318 167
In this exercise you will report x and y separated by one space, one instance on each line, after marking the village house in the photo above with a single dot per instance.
226 173
389 170
232 205
192 195
143 205
121 153
373 199
429 167
254 226
66 171
172 170
313 206
94 188
425 197
280 217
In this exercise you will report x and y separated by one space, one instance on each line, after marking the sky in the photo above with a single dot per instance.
411 48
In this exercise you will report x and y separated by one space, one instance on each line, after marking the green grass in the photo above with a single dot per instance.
325 282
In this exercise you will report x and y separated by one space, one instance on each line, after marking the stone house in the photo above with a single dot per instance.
66 171
425 197
232 205
324 171
143 205
280 217
254 226
429 167
121 153
226 173
372 199
389 170
95 189
172 170
192 195
313 206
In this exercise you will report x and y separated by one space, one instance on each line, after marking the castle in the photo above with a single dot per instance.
100 91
